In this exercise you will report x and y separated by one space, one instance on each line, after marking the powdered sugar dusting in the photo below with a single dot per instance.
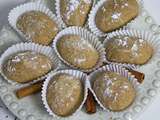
81 45
122 41
111 92
116 15
30 59
73 5
110 87
137 44
35 24
129 43
135 49
122 3
62 91
117 6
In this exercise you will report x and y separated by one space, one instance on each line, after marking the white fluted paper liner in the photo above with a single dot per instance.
20 47
113 68
57 8
44 2
92 15
152 39
80 75
15 13
86 35
47 3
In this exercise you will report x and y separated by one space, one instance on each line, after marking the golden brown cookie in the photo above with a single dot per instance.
77 51
65 93
125 49
114 14
114 91
26 66
38 27
75 12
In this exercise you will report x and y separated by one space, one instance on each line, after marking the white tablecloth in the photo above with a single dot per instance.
153 7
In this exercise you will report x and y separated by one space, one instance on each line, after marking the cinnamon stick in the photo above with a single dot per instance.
90 103
29 90
140 76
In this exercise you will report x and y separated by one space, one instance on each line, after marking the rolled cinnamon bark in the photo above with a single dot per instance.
90 103
29 90
140 76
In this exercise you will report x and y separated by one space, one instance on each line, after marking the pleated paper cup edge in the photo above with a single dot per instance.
142 34
82 76
21 47
114 68
91 20
91 38
57 8
16 12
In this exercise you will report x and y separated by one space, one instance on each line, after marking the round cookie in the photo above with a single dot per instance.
114 91
38 27
26 66
125 49
65 94
75 12
114 14
77 52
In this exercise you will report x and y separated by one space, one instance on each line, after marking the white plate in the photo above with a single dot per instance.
31 108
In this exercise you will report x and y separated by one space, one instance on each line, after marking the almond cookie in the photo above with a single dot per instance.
77 51
114 91
114 14
75 12
65 94
26 66
37 26
125 49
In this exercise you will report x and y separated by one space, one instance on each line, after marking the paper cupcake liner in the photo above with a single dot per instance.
57 8
92 39
15 13
114 68
145 35
44 2
47 3
20 47
82 76
92 15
